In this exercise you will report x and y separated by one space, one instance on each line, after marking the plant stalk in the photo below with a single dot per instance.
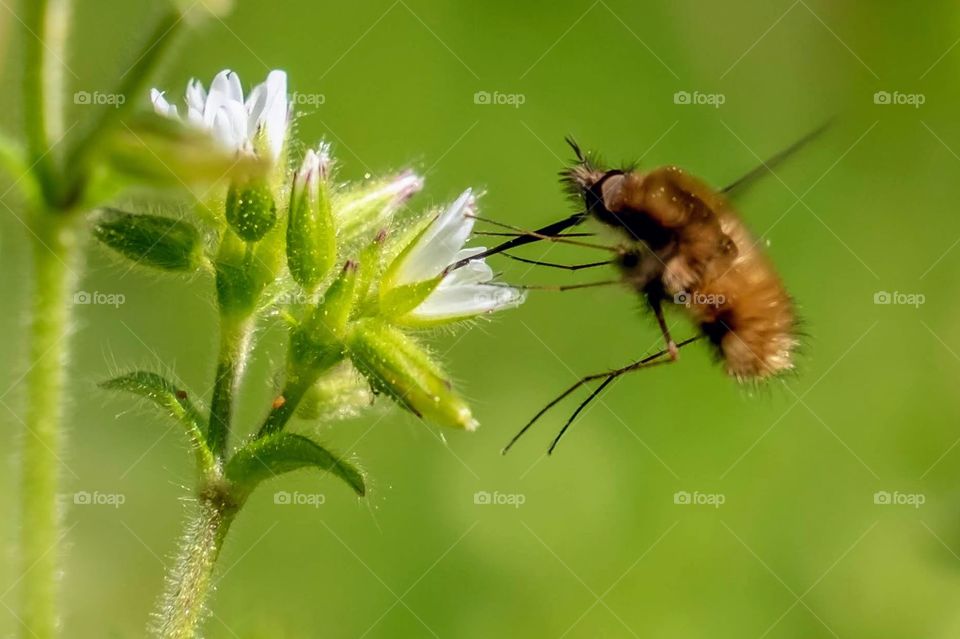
45 30
278 417
183 607
235 338
53 248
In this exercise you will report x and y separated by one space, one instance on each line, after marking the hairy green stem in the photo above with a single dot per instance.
45 25
293 392
40 535
235 337
132 86
183 607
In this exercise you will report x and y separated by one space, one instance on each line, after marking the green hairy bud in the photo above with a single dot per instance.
396 365
251 210
151 240
311 237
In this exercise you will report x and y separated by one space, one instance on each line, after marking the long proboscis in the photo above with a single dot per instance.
526 237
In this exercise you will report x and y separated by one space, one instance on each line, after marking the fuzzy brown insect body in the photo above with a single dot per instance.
686 245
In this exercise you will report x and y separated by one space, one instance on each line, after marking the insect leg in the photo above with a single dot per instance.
589 378
672 349
609 379
567 267
557 288
519 234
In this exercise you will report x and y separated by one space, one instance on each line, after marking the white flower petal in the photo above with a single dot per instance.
454 302
475 272
231 121
438 246
275 114
161 106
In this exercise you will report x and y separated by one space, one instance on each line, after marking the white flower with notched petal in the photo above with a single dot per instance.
446 297
256 125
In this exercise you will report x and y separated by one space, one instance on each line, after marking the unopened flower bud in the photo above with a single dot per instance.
396 365
251 210
311 237
370 206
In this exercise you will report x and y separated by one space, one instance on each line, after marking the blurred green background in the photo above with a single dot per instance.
799 548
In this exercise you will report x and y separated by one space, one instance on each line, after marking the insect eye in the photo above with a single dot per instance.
629 259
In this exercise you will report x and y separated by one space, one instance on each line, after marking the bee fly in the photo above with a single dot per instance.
681 243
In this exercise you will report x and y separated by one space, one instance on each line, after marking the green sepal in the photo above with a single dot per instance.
396 301
274 455
318 342
396 365
172 400
399 301
151 240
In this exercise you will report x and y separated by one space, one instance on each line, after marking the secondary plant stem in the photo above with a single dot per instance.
183 606
53 249
293 392
234 345
45 41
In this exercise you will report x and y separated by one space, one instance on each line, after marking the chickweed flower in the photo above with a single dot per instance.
258 124
416 288
255 126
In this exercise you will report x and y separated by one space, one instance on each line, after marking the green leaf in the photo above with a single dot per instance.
151 240
281 453
173 401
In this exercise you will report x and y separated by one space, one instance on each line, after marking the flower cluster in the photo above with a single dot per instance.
355 273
